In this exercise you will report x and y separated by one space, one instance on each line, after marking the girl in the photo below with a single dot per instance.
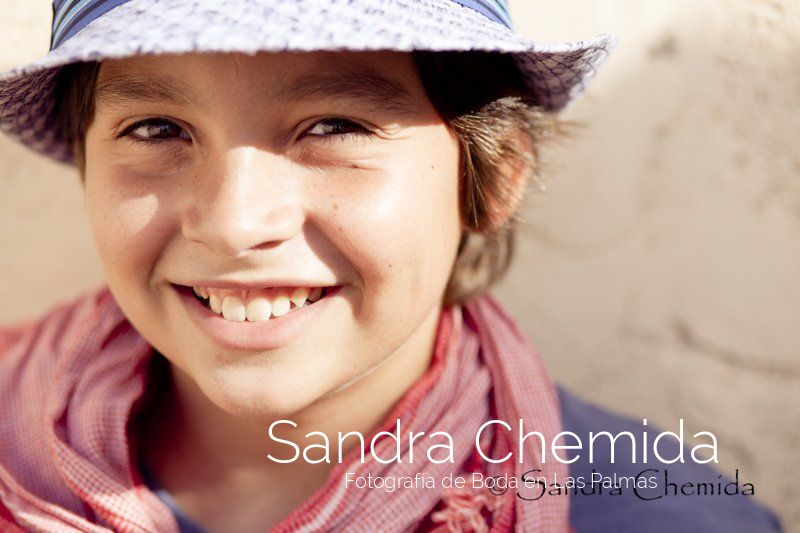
299 207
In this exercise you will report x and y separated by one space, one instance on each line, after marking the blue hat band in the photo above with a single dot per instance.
71 16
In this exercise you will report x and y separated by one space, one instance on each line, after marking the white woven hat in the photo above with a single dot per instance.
93 30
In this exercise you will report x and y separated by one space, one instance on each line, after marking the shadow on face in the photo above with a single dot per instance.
305 169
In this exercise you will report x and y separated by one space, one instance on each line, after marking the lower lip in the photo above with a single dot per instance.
252 336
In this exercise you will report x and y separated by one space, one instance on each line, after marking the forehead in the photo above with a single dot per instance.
383 79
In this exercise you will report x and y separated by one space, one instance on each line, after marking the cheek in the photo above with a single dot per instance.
130 225
402 224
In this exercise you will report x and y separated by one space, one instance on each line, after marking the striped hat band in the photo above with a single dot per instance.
71 16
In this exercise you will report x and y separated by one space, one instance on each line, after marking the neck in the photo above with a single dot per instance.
193 445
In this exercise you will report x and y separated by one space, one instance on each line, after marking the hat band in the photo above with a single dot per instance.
495 10
71 16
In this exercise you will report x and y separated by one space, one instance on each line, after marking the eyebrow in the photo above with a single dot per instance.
361 84
120 87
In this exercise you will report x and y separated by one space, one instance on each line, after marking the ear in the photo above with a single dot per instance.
498 188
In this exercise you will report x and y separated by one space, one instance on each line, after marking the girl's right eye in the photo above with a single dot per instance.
154 130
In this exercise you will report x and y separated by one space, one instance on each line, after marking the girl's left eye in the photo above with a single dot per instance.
336 127
155 130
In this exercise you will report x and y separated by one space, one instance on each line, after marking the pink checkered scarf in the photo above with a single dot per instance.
69 382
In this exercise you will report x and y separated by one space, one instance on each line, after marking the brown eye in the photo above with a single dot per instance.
336 127
155 130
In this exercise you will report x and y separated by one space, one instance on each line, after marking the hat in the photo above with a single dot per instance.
93 30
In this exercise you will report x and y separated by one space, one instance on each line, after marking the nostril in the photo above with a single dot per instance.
234 228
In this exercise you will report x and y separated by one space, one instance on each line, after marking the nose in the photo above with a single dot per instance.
243 202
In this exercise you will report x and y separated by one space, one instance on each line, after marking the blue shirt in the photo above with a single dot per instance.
671 513
679 510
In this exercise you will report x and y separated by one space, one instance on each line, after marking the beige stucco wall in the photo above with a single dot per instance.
659 272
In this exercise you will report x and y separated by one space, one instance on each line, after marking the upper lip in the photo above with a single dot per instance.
253 285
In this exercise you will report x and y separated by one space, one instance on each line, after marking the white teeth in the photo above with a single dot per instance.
298 297
215 303
233 309
315 294
202 292
258 310
281 305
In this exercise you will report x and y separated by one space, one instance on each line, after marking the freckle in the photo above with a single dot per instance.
390 265
335 207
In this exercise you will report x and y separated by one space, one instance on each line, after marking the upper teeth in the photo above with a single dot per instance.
256 306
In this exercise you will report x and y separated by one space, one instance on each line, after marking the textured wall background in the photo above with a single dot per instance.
658 273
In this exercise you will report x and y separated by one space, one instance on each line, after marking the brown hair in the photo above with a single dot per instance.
482 97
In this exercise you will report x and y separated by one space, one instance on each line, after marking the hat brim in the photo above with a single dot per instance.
555 73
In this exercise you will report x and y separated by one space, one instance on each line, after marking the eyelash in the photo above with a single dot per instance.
359 130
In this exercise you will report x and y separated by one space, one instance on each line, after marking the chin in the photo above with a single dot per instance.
260 393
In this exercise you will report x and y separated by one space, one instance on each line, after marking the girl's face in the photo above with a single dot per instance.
262 180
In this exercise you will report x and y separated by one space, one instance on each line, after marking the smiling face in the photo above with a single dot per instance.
273 173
